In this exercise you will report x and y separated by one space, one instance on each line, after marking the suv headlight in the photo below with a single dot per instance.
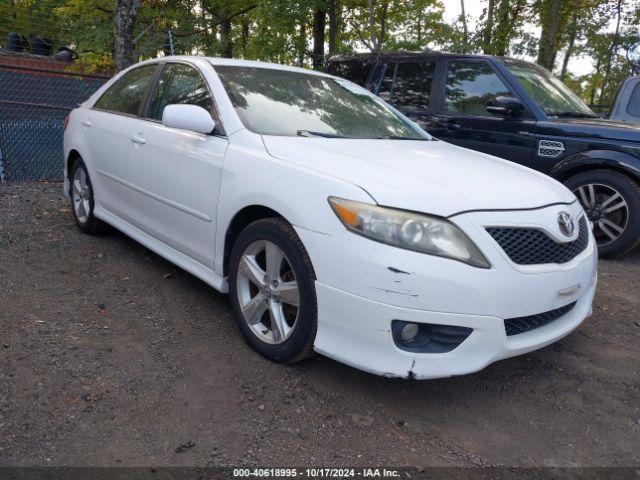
408 230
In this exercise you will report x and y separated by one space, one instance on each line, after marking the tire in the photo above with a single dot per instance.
292 341
82 208
625 208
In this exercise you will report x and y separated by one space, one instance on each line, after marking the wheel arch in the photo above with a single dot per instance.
239 222
621 162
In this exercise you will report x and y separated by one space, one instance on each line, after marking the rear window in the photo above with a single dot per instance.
634 102
127 93
412 87
355 70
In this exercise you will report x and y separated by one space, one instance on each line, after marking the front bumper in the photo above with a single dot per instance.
357 331
362 286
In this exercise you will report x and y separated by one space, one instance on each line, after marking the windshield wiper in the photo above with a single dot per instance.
311 133
398 137
571 115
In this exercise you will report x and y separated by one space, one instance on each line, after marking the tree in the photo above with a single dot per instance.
125 20
319 25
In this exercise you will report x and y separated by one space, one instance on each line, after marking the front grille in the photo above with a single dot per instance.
529 246
514 326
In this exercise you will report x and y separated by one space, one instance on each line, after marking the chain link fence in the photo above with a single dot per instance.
36 94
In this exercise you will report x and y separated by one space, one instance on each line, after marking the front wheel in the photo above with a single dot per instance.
272 288
612 203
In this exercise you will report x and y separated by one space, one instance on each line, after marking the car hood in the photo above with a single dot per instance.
425 176
600 128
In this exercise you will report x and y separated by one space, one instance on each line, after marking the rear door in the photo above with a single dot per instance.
176 173
108 126
408 86
462 118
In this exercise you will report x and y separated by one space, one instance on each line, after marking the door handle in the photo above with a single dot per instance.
452 126
86 123
138 139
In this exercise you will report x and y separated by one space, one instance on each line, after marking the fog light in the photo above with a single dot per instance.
427 337
409 332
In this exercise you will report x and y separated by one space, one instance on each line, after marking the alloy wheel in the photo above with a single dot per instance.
81 194
606 208
268 292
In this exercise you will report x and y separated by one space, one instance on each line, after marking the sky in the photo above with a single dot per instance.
578 65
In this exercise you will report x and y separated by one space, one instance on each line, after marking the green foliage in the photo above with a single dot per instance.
282 31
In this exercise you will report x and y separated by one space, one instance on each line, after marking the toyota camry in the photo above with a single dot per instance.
335 223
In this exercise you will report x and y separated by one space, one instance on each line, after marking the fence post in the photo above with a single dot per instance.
3 179
171 42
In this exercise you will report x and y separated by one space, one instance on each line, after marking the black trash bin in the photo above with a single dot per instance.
41 45
15 42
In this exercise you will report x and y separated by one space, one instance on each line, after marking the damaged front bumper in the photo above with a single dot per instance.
357 331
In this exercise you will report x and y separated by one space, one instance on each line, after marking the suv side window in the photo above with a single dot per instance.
412 87
633 107
470 85
127 94
179 83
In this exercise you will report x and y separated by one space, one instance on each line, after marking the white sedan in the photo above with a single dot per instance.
335 223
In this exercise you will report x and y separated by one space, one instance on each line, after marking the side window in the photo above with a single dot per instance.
179 83
470 85
412 87
127 93
633 108
386 86
355 70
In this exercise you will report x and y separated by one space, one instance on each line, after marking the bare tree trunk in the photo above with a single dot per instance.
319 24
593 86
570 45
245 33
613 48
488 28
335 11
372 28
125 20
225 39
465 29
548 37
383 25
302 43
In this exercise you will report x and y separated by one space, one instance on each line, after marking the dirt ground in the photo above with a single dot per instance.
110 355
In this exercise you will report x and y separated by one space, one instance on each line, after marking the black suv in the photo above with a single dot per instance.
518 111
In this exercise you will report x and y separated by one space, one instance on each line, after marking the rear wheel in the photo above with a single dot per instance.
612 203
271 283
82 204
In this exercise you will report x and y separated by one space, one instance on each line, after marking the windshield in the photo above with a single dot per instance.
553 96
281 102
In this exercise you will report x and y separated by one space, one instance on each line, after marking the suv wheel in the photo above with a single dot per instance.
272 289
612 203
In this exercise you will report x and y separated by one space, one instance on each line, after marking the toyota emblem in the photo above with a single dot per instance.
565 222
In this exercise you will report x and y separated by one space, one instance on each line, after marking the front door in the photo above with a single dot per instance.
462 117
176 172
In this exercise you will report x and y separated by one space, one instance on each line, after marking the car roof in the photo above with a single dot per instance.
408 55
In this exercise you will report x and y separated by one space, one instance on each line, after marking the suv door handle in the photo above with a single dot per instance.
138 139
86 123
451 125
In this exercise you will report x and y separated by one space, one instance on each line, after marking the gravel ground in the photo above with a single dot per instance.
110 355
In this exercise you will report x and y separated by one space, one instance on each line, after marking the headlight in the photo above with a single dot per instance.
411 231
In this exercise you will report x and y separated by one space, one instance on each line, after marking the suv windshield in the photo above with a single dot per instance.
281 102
553 96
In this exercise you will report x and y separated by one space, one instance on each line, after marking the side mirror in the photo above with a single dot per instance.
188 117
505 106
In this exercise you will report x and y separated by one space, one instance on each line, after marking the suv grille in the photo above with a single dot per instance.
514 326
529 246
